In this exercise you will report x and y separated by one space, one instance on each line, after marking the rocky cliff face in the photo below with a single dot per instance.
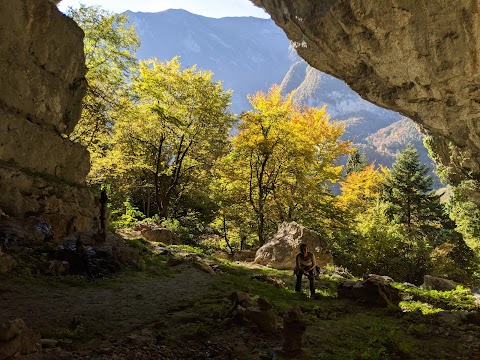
42 75
419 58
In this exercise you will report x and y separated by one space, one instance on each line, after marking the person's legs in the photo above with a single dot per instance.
311 278
298 285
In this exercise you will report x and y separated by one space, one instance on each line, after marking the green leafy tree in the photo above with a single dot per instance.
234 220
465 213
408 191
110 45
173 133
385 247
452 257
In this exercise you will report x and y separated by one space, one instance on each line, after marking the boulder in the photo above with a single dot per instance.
203 266
221 255
57 267
473 317
266 320
337 273
119 249
159 234
32 229
263 304
374 290
99 258
280 251
436 283
17 339
293 329
244 255
380 278
260 314
7 263
239 299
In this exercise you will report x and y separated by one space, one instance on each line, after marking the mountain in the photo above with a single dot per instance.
249 54
377 132
316 89
246 53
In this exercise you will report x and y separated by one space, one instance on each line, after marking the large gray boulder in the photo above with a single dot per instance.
437 283
280 251
161 235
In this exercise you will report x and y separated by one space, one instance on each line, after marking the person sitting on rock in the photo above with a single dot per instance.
305 265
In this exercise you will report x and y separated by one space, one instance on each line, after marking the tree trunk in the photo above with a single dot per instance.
149 204
260 227
162 206
225 235
243 238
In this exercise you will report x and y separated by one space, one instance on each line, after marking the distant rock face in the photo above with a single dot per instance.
420 58
376 132
42 71
280 251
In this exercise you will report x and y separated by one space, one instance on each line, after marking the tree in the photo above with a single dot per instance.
234 221
174 131
385 247
361 190
110 45
356 162
408 191
452 258
285 155
465 213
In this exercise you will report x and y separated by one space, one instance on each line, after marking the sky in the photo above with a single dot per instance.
210 8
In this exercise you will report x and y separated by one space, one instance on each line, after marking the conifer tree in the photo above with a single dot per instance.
356 162
408 191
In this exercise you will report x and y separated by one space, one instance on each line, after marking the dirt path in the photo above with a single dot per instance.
136 317
112 309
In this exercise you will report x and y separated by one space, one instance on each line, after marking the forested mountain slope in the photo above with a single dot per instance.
249 54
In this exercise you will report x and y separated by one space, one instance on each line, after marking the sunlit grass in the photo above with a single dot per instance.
425 308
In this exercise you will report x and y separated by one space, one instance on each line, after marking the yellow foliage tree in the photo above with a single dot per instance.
361 190
285 157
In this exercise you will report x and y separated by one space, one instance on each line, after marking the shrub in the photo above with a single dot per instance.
129 218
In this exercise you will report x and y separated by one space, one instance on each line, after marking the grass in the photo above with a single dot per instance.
340 329
337 329
459 299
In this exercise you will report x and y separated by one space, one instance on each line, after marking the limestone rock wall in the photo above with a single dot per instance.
418 57
42 77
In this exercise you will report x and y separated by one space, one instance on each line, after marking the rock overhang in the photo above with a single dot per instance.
419 58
